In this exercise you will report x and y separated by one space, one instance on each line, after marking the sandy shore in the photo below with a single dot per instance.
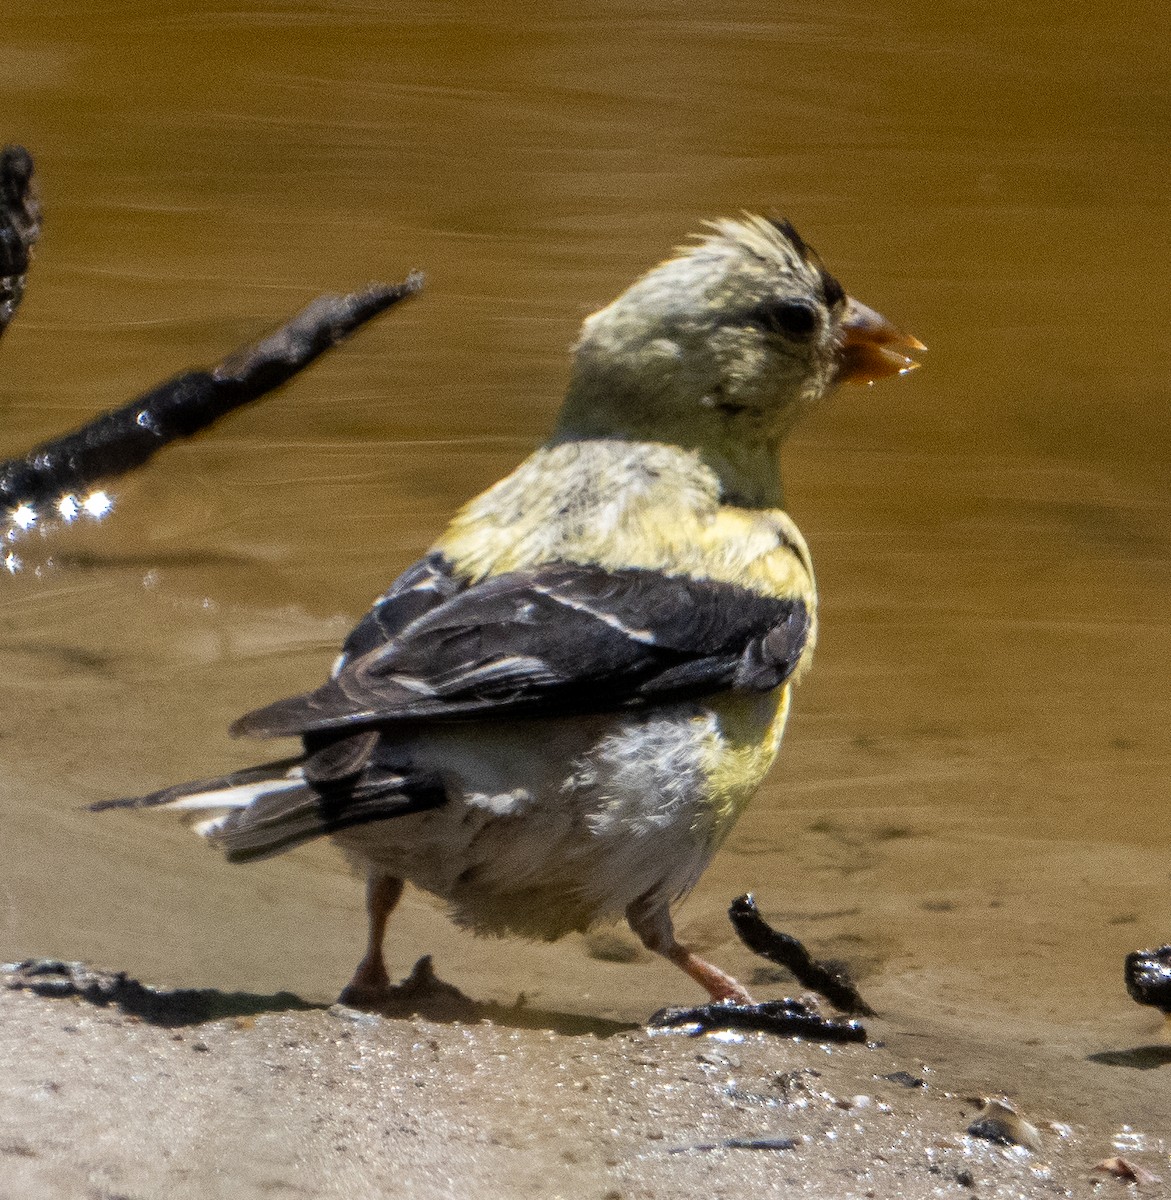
135 1093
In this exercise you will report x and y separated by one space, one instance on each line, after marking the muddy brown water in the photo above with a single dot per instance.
971 802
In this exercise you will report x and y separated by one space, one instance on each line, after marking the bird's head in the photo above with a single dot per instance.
722 347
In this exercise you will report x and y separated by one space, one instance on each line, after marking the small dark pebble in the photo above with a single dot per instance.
998 1121
905 1079
201 1046
965 1178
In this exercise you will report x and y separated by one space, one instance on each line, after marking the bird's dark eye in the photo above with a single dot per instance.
793 318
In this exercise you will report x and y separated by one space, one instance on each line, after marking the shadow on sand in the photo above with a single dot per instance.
422 993
183 1006
1141 1058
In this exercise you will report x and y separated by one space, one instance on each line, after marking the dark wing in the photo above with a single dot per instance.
556 640
417 590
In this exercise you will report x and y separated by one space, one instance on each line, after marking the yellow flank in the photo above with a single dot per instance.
739 755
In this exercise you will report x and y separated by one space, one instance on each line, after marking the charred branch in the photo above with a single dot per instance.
827 979
124 438
20 226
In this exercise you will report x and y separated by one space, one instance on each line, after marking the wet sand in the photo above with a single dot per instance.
273 1099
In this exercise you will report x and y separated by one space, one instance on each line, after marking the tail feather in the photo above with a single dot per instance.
240 796
271 808
282 819
233 788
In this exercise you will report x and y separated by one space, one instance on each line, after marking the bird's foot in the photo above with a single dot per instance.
368 992
367 999
736 994
719 985
422 991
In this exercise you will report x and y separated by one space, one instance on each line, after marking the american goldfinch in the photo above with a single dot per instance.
555 718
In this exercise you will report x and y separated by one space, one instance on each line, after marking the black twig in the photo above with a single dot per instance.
785 1018
124 438
827 979
20 226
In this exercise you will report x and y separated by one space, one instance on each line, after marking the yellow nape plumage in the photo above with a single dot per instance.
556 716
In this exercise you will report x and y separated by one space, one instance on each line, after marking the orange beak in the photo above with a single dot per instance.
871 346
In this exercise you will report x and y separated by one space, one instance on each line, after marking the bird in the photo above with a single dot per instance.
555 717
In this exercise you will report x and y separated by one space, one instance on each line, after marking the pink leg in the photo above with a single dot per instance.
370 987
651 920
